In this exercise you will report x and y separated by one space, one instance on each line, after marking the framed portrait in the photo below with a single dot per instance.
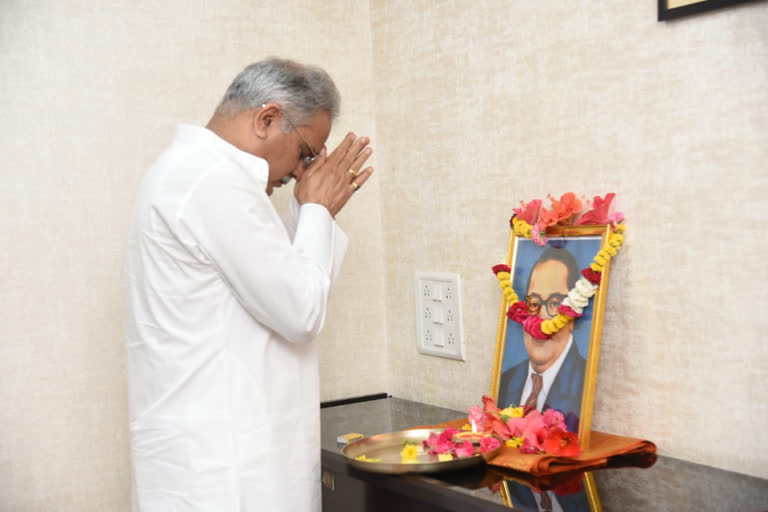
671 9
567 362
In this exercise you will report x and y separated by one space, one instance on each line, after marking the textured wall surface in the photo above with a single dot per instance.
89 98
483 104
473 106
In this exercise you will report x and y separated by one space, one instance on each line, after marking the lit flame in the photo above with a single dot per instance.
474 427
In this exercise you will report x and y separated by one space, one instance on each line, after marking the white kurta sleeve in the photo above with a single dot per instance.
229 222
340 239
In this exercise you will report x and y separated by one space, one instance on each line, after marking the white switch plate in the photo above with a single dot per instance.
439 324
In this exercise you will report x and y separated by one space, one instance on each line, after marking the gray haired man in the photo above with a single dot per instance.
226 298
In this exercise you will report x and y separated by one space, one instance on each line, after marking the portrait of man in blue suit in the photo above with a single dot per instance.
550 373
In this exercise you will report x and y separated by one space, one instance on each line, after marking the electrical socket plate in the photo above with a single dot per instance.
439 323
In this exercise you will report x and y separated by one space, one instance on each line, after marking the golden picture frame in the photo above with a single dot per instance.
541 269
671 9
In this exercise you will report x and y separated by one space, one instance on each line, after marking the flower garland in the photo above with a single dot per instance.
531 221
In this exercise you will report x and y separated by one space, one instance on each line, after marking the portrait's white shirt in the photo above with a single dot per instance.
548 377
224 301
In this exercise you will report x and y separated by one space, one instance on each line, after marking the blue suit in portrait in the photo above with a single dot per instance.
565 393
522 498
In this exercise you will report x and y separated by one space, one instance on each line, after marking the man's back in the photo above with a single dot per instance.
204 413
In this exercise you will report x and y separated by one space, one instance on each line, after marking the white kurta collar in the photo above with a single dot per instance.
256 166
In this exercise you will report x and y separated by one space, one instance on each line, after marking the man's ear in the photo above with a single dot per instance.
266 119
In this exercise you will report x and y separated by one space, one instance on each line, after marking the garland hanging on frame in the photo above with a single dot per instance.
531 221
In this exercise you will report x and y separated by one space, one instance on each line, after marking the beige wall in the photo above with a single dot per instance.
89 97
483 104
473 107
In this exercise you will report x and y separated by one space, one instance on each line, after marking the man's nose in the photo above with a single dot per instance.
298 172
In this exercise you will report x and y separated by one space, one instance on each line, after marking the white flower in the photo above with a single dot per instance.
576 309
577 299
585 288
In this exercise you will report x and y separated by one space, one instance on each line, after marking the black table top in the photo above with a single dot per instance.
670 484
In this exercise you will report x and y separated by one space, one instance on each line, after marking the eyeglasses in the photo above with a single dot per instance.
534 301
307 160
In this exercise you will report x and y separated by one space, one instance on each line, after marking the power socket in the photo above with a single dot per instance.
439 324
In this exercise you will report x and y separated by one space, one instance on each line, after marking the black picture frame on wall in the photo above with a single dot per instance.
671 9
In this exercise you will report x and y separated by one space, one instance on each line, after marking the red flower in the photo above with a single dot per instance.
518 312
571 486
501 267
561 442
592 276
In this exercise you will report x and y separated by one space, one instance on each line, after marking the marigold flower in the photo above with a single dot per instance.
410 451
512 412
363 458
514 442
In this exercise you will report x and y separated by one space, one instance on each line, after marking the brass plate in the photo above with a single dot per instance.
387 447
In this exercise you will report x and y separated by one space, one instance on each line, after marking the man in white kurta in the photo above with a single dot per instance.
225 299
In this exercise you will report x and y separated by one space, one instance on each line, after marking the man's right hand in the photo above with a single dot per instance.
332 179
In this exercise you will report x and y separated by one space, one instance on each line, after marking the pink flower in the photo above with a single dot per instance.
529 212
568 311
599 214
477 418
441 443
466 449
488 444
535 432
536 234
516 426
532 326
553 419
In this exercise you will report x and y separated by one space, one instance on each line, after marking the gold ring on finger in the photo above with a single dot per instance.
352 172
355 186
